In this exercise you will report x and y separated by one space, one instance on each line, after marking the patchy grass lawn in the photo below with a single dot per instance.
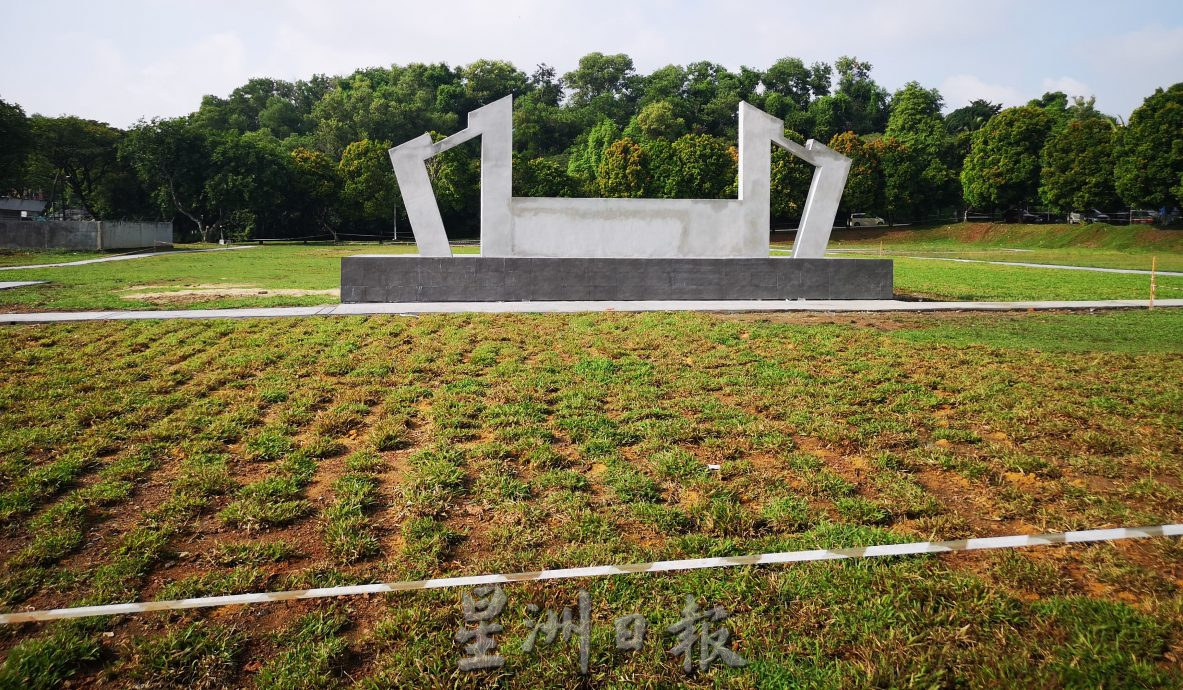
178 458
20 257
272 275
1102 246
300 275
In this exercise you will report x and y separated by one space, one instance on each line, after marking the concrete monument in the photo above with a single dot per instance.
588 249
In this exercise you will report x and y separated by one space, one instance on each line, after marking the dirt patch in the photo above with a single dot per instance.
858 320
201 293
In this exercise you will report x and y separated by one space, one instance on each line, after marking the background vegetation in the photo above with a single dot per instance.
292 159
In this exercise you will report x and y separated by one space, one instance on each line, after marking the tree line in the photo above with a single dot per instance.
308 158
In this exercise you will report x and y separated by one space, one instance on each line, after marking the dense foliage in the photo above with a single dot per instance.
308 158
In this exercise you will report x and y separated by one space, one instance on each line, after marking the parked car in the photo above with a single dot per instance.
1075 218
862 220
1015 215
1095 216
1142 217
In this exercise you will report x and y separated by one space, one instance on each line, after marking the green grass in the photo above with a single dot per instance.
272 267
175 458
17 257
315 269
1118 331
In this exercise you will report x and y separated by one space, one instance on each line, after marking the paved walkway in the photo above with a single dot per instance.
412 308
8 284
1133 271
123 257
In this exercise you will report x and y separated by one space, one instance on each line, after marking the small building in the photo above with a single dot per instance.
20 209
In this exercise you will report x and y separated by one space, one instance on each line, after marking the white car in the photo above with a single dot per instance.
862 220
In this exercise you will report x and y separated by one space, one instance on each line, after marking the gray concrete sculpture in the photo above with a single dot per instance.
528 227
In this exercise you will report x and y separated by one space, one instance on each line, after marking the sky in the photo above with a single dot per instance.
118 62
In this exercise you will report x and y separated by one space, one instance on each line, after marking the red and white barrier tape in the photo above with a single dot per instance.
911 549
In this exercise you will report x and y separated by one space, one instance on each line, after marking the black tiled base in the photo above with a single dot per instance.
489 279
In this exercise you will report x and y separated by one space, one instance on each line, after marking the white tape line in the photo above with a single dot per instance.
606 570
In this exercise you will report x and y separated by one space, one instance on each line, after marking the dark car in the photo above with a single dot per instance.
1095 216
1015 215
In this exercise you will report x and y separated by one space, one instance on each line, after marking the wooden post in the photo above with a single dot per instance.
1153 287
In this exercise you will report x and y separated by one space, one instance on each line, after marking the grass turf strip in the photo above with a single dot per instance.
509 443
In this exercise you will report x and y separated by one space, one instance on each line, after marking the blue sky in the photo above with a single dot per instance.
118 62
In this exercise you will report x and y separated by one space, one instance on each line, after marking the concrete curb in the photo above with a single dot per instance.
413 308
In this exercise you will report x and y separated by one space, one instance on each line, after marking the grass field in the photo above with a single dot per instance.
299 275
179 458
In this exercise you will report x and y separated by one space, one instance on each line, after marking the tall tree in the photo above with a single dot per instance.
315 204
368 185
916 122
173 159
707 167
1150 152
250 177
864 184
16 140
1078 166
623 171
972 117
903 177
602 86
584 164
790 78
867 109
1003 166
789 182
488 80
544 177
83 154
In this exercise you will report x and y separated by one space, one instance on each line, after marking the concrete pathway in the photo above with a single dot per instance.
1130 271
413 308
123 257
5 285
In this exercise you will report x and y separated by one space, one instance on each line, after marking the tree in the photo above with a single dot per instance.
173 160
866 109
903 177
368 185
250 178
1078 166
1055 104
316 203
16 140
864 184
1004 162
916 122
602 86
543 177
789 182
1149 152
972 117
789 77
584 164
488 80
622 171
658 121
83 154
707 168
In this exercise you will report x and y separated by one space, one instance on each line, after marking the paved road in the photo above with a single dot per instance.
123 257
412 308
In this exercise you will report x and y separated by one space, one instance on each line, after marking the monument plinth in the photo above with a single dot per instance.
616 249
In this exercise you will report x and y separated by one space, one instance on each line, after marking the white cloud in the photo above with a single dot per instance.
960 89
